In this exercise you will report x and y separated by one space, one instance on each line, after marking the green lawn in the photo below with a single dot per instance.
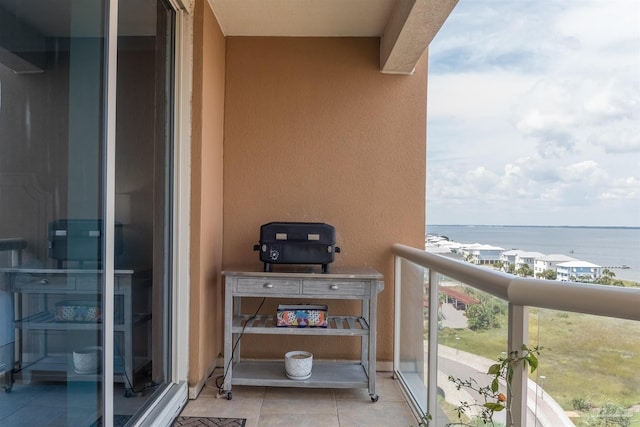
586 357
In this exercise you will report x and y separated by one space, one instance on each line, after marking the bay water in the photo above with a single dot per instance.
610 247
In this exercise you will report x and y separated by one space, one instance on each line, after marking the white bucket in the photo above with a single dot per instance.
87 360
297 364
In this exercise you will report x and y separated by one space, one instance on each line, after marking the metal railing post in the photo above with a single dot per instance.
396 316
518 336
432 356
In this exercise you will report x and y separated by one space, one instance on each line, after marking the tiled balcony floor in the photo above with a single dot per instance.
308 407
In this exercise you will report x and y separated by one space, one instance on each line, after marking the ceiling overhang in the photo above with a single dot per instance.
411 27
405 27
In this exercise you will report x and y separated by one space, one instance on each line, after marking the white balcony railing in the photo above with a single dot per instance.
418 351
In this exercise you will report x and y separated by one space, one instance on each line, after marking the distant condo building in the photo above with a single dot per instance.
549 262
567 268
577 271
481 254
517 258
509 257
527 258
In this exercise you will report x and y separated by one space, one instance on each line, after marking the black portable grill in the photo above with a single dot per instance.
80 240
297 243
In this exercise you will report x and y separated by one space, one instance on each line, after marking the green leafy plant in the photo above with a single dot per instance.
581 404
492 399
610 415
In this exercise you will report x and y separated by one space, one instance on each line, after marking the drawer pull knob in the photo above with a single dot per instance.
267 285
44 281
334 287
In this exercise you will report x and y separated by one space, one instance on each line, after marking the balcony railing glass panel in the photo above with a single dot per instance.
596 325
472 335
411 350
589 368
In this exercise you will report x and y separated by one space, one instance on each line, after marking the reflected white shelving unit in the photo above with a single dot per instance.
44 343
362 284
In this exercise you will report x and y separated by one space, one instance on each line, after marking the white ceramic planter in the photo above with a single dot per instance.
298 364
87 360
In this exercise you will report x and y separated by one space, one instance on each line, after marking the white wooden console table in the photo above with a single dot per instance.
341 284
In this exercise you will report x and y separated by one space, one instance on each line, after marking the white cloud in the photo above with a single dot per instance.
625 188
534 110
475 95
585 172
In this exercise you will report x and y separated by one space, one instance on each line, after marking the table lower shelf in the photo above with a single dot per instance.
59 368
47 321
323 375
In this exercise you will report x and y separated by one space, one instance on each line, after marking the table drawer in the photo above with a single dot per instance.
265 286
44 282
334 287
89 282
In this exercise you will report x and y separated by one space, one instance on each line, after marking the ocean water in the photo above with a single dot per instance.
605 246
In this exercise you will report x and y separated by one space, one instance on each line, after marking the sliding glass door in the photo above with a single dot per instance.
85 209
143 180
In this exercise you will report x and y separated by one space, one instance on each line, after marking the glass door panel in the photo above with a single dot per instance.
51 211
143 197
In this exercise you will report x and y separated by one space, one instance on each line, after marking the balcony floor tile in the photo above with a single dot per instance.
309 407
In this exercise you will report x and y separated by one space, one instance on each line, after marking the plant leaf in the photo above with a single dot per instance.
533 361
494 406
494 369
494 385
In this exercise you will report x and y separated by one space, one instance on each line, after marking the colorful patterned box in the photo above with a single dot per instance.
78 311
302 315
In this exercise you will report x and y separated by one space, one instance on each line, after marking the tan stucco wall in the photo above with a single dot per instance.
314 132
206 310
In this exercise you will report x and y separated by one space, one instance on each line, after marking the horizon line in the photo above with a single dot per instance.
539 226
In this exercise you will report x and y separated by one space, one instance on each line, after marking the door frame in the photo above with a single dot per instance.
168 405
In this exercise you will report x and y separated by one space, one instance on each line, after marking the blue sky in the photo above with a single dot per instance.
533 114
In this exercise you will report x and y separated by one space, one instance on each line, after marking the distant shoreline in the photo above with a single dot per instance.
616 227
604 246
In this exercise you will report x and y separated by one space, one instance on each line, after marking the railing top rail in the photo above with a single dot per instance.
610 301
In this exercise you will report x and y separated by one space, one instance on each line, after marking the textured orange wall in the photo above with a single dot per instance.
206 298
314 132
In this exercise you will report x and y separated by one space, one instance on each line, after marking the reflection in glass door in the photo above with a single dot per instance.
143 195
53 208
51 211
